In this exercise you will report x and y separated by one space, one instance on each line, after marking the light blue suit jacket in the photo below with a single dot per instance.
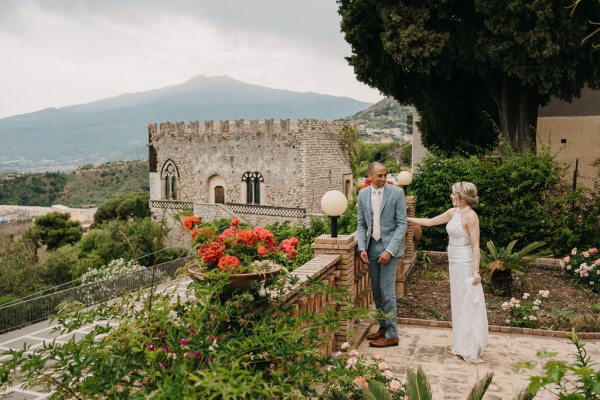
393 220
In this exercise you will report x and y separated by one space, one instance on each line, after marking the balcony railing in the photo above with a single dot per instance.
21 313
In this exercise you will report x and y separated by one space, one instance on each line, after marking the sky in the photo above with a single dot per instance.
58 53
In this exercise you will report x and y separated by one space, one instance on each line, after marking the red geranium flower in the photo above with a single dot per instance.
235 222
229 232
262 251
190 221
195 232
210 252
246 236
265 236
229 263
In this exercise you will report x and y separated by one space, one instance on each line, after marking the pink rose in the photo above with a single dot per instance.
395 385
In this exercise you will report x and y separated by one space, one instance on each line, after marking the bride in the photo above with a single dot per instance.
469 316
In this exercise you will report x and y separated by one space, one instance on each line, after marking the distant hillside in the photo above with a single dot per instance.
385 118
88 186
116 128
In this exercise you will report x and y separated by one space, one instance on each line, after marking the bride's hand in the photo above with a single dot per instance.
476 278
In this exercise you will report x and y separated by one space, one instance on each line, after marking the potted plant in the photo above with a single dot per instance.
246 257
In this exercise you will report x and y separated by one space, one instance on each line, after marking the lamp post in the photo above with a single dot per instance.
404 179
334 204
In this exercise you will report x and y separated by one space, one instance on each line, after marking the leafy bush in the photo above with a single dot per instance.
525 312
584 266
156 345
350 373
521 197
576 380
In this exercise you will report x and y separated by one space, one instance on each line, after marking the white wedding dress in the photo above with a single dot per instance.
469 316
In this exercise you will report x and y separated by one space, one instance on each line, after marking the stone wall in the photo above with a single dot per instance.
324 164
225 153
297 164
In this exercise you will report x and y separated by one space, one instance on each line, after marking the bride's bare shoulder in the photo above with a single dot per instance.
450 212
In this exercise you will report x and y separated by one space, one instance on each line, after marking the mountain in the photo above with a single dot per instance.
116 128
386 119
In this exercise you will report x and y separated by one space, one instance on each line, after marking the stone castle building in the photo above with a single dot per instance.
257 172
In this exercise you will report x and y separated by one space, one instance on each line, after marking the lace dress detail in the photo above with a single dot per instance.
469 316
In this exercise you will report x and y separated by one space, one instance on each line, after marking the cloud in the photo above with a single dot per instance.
62 52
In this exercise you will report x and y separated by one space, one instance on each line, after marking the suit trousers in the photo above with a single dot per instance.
383 286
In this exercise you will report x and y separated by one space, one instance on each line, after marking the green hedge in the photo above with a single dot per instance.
521 197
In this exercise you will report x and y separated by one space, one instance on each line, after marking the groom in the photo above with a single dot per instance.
381 227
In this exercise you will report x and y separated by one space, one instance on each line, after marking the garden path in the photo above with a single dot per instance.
452 378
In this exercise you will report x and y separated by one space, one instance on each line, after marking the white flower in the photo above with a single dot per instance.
505 305
591 282
568 267
351 362
537 302
544 293
526 296
388 374
353 353
345 345
508 321
535 308
337 354
377 357
532 318
383 366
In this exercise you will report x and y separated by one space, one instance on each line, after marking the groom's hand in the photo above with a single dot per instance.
364 257
384 258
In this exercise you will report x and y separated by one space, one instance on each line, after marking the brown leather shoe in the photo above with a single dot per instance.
385 342
377 335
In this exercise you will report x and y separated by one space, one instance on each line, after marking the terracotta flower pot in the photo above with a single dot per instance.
247 281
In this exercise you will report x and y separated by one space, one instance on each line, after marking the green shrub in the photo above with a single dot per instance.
576 380
584 266
175 347
521 197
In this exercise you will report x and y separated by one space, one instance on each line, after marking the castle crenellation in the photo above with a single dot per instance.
240 127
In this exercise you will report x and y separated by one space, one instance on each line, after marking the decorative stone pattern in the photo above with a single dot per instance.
297 164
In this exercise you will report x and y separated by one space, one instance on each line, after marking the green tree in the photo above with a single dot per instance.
54 230
60 264
19 272
123 207
458 62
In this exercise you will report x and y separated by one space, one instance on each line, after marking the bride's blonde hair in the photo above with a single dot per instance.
466 191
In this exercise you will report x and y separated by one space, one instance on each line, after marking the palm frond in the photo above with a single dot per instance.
377 391
529 248
481 387
338 395
524 395
492 249
417 385
510 246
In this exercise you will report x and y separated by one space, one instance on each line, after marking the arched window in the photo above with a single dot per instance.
170 177
253 180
